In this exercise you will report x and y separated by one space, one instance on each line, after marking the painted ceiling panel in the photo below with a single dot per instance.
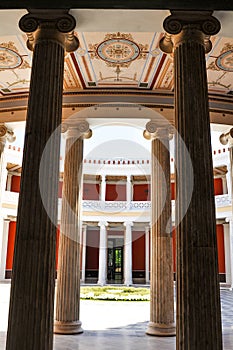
114 60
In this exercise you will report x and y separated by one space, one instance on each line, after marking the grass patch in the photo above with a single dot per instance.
115 293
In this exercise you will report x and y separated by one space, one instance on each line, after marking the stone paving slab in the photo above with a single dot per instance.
117 326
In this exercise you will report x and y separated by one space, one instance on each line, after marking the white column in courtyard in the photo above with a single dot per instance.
103 253
128 189
5 232
103 188
84 242
128 280
147 253
6 135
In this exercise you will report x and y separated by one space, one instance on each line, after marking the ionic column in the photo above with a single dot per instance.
103 188
161 281
4 240
198 301
31 313
128 189
84 242
102 278
147 253
128 280
68 280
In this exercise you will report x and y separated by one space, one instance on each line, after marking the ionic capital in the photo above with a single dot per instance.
187 26
54 25
103 224
81 129
6 134
154 131
227 138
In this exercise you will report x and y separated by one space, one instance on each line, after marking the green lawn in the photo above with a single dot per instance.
115 293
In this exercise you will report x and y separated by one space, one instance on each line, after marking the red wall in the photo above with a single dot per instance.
141 192
10 245
218 188
115 192
92 250
220 245
173 190
15 183
91 191
221 250
60 186
57 245
174 248
138 250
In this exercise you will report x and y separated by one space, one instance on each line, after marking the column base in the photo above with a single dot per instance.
62 327
161 330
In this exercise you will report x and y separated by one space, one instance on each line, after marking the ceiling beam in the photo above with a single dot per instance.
120 4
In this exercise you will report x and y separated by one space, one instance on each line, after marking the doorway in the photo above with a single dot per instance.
115 260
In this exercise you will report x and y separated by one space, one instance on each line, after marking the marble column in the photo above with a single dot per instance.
161 282
198 298
6 135
84 249
103 188
147 254
68 280
4 241
128 189
102 278
31 313
128 280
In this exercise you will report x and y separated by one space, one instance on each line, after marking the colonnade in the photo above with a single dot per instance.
198 322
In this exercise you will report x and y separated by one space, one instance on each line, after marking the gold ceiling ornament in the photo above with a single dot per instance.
118 50
10 57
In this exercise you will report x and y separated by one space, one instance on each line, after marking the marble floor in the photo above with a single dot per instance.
117 325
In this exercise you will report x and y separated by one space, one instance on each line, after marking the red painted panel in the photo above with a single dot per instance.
218 188
15 183
91 191
10 245
60 186
141 192
138 250
115 192
174 249
92 250
57 244
173 190
221 250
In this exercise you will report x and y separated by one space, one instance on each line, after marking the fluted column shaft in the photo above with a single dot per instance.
32 288
103 254
147 253
128 280
68 281
161 285
84 249
198 301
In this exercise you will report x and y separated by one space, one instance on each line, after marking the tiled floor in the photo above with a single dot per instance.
117 325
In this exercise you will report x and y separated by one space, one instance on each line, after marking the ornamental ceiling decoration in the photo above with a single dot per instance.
10 57
118 50
220 66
